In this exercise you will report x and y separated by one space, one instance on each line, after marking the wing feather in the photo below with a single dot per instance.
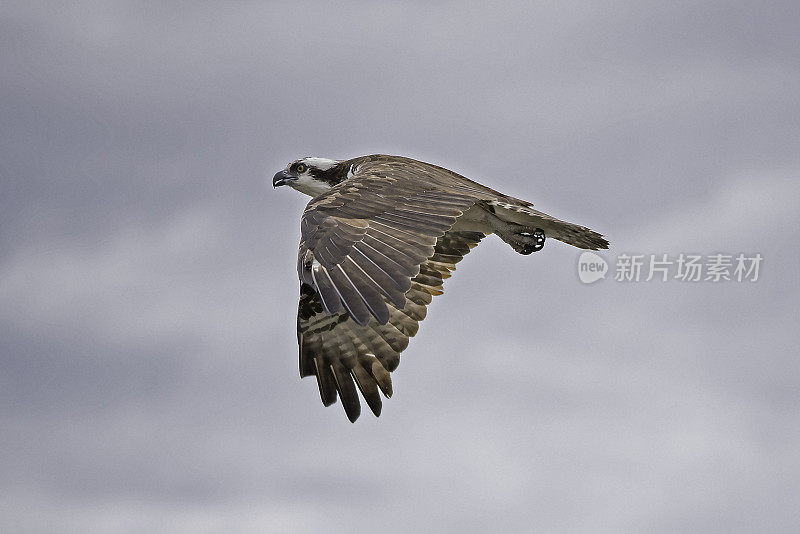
389 265
378 228
369 389
364 271
331 298
403 254
349 356
347 391
326 382
367 289
382 269
350 296
383 280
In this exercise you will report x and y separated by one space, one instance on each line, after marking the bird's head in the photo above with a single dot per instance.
312 176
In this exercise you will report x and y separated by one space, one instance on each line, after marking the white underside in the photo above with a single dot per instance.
309 186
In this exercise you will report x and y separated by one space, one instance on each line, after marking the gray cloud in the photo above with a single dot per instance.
148 378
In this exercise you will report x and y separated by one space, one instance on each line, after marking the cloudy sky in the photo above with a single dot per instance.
148 360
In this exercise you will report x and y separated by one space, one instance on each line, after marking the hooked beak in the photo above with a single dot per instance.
282 178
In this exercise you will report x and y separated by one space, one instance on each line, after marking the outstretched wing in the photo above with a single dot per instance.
364 240
373 251
345 354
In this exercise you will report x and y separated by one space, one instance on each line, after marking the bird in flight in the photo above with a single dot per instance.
378 238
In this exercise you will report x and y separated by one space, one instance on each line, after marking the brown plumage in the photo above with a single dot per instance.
377 241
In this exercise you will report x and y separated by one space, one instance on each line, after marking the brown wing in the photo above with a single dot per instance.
374 250
363 241
344 354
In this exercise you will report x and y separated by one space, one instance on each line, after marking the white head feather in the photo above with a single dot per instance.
322 164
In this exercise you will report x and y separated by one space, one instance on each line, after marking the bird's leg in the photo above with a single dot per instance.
523 239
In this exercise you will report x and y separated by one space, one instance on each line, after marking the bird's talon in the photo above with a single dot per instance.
532 241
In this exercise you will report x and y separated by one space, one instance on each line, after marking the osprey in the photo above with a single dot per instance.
378 238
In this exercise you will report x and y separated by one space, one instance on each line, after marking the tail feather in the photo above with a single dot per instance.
569 233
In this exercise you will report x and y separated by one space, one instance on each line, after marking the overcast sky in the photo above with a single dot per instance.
148 359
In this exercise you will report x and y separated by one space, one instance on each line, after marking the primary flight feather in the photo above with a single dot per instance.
378 238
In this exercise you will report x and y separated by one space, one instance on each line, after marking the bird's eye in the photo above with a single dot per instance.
301 168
